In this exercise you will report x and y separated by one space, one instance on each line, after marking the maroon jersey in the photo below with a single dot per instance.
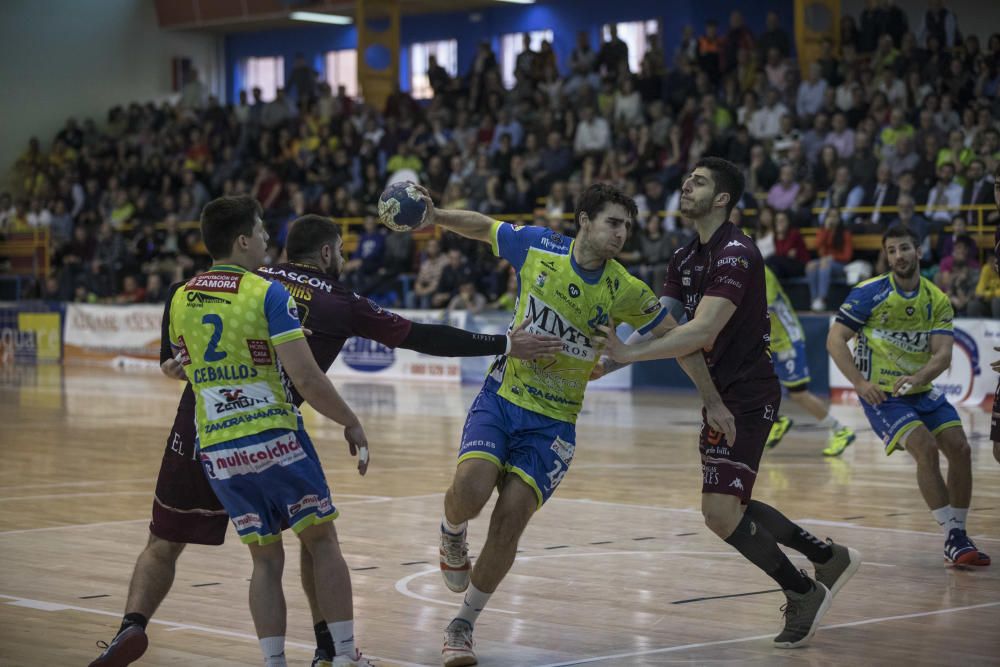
330 311
729 266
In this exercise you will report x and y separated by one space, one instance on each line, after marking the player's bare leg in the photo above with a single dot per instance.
324 640
808 600
151 581
153 576
514 508
332 582
267 600
949 503
471 488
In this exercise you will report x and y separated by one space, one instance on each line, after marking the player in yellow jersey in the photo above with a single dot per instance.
788 352
238 336
904 330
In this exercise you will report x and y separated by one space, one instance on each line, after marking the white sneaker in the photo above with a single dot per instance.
455 566
818 305
458 645
357 661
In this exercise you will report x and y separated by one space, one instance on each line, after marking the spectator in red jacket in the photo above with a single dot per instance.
790 252
834 250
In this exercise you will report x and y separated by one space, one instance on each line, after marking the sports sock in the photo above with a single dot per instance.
788 533
273 649
943 516
453 528
474 602
343 637
958 517
831 423
324 640
133 619
760 548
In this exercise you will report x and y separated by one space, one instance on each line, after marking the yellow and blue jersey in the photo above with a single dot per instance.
226 323
560 298
894 328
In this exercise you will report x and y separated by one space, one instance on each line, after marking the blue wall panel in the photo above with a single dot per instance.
564 17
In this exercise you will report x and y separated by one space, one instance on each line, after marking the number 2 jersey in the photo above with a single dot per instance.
561 299
894 328
226 323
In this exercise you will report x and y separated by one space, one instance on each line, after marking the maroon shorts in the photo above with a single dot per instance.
733 470
995 419
185 508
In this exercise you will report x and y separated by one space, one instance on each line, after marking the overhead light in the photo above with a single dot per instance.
519 2
316 17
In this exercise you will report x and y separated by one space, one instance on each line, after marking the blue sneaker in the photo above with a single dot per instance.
959 550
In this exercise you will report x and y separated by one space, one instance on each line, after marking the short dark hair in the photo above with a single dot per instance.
307 234
224 220
597 196
900 232
728 178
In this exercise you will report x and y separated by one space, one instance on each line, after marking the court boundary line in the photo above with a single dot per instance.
740 640
44 605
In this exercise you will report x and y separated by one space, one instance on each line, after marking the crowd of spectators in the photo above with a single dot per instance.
892 117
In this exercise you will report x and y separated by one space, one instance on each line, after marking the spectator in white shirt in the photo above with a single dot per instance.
945 197
811 91
592 133
766 121
627 104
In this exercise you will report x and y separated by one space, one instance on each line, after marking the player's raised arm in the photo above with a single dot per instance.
469 224
441 340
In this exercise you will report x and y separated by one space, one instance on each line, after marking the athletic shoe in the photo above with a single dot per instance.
839 441
836 572
778 430
455 565
803 612
357 661
321 659
127 647
458 645
959 550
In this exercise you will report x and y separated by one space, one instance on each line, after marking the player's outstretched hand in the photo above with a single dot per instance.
721 420
358 442
613 346
526 345
173 369
869 393
429 216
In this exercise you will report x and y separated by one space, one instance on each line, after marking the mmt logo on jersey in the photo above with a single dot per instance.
543 318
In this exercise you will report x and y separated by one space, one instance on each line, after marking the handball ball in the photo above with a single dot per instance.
401 207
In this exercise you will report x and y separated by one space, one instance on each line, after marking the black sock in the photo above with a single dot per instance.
789 534
760 548
324 640
133 619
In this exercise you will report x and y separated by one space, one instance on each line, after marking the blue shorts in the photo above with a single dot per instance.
536 448
898 415
791 367
268 482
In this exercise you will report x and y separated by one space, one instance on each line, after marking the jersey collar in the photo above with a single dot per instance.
899 291
233 268
589 276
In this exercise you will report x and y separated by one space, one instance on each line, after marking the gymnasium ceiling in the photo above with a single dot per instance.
236 15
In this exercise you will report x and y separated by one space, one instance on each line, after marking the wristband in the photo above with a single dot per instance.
507 350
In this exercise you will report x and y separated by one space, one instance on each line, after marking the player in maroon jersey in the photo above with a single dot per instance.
185 509
717 282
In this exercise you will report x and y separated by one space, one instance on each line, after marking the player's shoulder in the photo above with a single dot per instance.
932 290
732 241
616 277
542 238
876 290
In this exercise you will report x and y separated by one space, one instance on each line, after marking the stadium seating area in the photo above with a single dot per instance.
896 124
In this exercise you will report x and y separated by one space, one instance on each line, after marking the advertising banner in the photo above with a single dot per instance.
103 333
30 332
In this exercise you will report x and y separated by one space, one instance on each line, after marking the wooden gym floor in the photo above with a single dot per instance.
618 569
